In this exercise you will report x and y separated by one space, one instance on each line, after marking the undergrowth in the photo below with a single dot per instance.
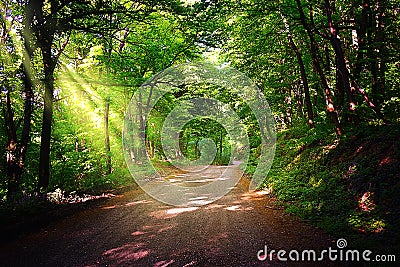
348 186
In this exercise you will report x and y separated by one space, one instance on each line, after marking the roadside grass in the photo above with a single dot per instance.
347 186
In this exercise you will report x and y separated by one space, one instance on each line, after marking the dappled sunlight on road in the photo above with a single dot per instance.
136 230
180 210
133 203
170 213
238 208
127 253
200 236
164 263
199 178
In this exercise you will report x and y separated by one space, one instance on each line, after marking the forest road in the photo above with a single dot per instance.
134 229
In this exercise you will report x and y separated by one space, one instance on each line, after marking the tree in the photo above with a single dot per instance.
330 107
107 138
16 146
338 35
302 72
51 24
143 50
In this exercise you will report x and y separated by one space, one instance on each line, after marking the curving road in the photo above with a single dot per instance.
135 230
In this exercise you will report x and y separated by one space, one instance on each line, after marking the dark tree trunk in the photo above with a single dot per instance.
196 149
341 64
16 151
379 53
339 87
45 36
221 138
44 160
107 139
344 73
12 150
307 98
330 107
361 38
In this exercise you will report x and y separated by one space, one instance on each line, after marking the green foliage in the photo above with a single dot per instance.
301 181
346 186
196 130
317 175
78 157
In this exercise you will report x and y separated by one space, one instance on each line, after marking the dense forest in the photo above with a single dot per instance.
329 70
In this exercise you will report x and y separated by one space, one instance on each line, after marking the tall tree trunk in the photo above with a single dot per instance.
221 138
378 55
107 139
330 107
44 160
307 98
361 38
341 63
16 151
142 129
45 37
12 149
344 72
196 149
288 119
